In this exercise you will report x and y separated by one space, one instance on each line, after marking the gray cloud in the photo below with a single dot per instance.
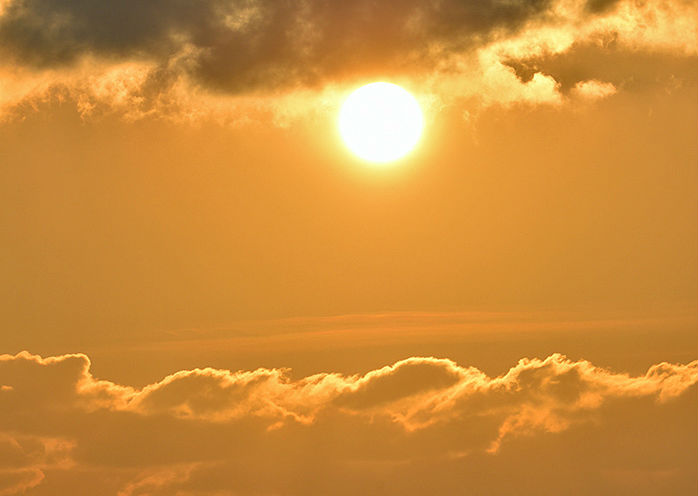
236 61
240 45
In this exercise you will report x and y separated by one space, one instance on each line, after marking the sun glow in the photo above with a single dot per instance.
380 122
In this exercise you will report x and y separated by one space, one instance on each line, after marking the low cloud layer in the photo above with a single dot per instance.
217 56
212 431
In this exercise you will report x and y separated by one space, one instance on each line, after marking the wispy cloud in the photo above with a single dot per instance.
385 328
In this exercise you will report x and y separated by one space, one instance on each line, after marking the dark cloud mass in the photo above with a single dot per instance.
239 45
190 59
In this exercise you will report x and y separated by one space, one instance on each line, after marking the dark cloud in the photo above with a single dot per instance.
184 60
245 44
604 60
597 6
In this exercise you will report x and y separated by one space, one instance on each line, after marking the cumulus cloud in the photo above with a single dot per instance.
193 429
216 57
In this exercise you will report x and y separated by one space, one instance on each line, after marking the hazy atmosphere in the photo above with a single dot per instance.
213 285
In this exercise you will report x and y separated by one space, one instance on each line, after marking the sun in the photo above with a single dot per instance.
380 122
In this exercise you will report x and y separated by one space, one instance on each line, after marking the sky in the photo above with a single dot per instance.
205 293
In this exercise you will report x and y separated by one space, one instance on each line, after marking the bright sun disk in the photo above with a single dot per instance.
380 122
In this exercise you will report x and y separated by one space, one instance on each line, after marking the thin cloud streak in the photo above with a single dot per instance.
354 330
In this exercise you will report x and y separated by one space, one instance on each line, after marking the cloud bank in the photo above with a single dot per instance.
218 56
212 431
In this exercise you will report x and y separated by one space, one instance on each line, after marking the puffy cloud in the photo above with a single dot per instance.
217 430
594 90
224 59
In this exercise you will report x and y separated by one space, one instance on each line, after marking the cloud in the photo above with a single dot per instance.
205 427
228 58
24 458
243 44
594 90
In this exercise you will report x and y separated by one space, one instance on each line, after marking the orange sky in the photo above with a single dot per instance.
216 297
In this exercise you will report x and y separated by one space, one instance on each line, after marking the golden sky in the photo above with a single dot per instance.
205 293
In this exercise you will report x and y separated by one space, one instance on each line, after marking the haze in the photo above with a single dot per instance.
205 293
